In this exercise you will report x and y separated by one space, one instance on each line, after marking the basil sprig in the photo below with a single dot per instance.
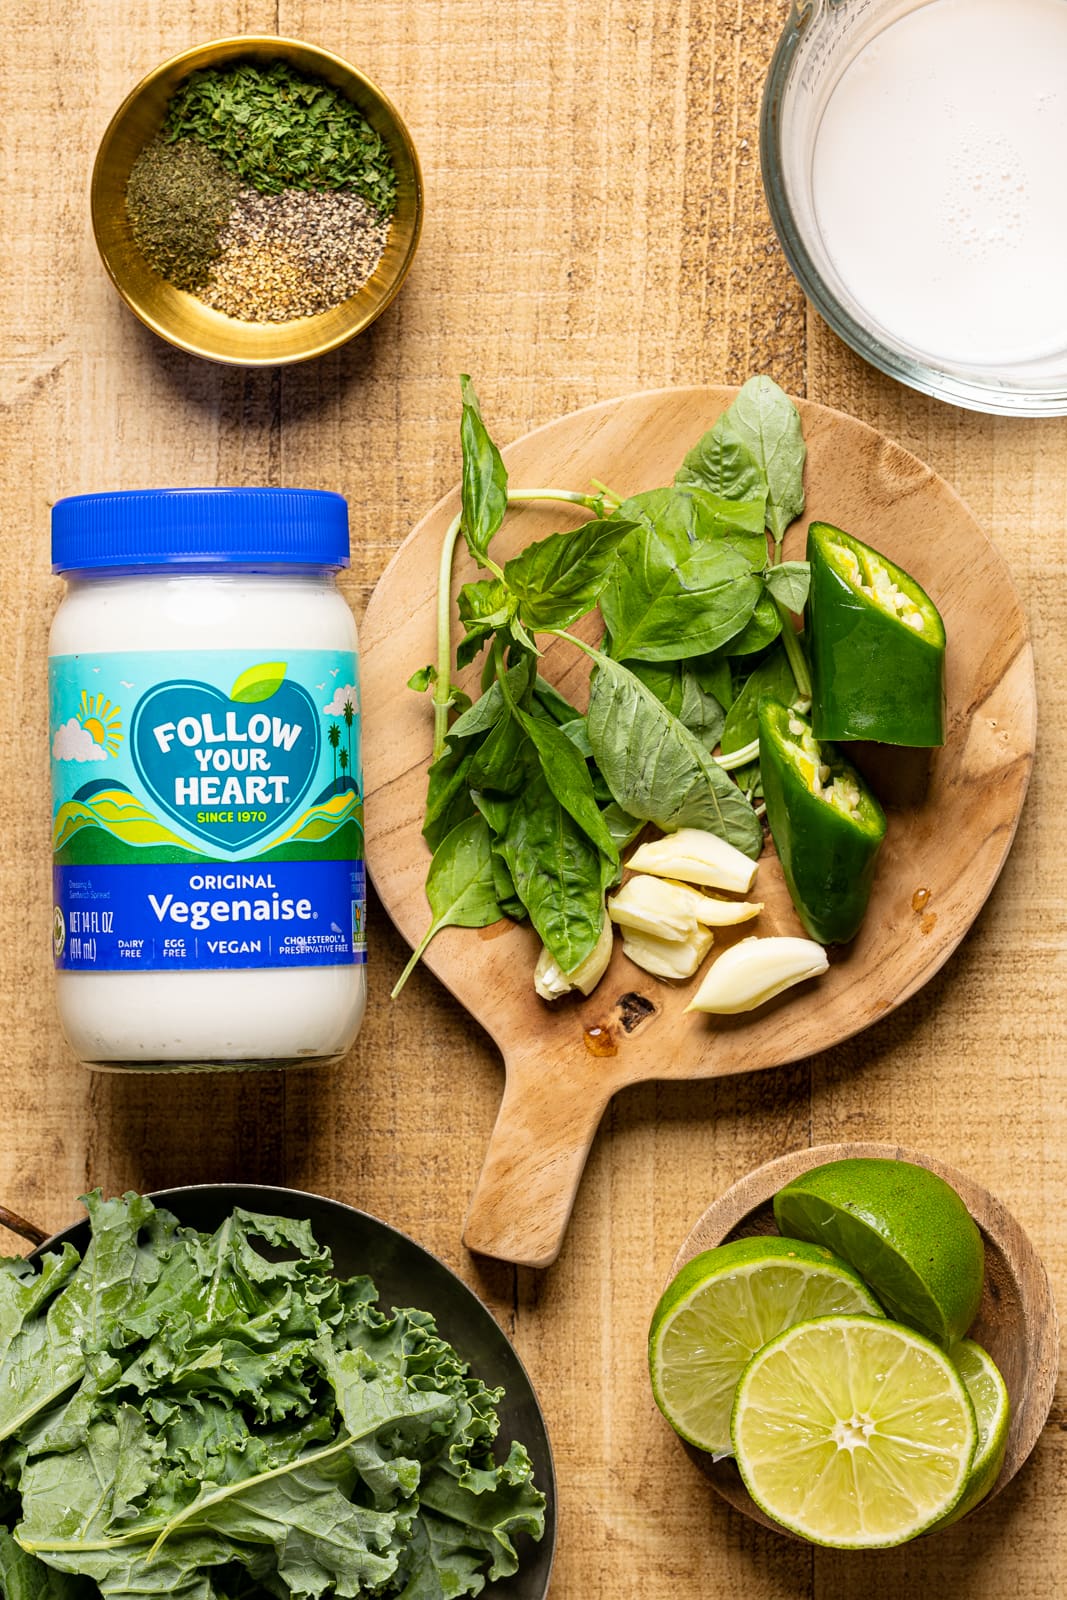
529 801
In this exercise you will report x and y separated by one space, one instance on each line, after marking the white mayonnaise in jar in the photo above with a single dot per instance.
206 782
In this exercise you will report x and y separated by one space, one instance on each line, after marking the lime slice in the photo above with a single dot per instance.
904 1230
724 1305
853 1432
992 1410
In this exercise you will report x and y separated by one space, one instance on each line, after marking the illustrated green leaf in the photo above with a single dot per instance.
789 582
667 599
259 682
459 886
558 579
485 480
656 769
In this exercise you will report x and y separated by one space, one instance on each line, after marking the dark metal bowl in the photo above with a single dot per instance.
405 1275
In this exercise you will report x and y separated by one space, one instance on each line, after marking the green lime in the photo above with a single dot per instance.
721 1307
904 1230
853 1431
992 1410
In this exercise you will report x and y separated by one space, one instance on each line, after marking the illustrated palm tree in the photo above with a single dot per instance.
334 738
348 713
344 766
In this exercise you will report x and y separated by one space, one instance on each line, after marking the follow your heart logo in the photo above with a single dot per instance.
229 769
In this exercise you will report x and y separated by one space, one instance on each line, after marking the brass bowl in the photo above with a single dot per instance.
179 316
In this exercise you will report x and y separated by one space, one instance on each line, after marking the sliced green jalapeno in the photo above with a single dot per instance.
826 825
876 643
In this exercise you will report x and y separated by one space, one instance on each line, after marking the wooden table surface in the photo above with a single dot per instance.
594 224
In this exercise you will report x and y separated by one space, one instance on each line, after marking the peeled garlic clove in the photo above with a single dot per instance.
551 982
696 856
667 958
756 970
716 913
649 905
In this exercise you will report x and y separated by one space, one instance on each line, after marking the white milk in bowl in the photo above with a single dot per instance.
937 182
911 153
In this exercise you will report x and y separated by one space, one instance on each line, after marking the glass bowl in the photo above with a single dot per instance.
820 40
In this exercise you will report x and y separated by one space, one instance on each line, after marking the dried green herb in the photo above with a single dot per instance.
280 130
178 199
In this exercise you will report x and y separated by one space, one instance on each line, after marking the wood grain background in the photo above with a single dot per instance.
595 224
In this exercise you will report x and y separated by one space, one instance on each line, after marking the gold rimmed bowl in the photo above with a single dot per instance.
180 317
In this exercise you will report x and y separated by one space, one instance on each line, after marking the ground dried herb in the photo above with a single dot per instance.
277 129
179 198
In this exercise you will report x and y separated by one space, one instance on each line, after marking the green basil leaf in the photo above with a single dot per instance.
567 775
448 799
665 601
558 579
715 678
500 760
459 886
655 768
723 463
773 678
557 873
676 686
485 480
486 712
423 679
622 827
558 708
789 582
761 629
767 422
691 513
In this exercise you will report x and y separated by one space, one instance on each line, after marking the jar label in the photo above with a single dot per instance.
215 823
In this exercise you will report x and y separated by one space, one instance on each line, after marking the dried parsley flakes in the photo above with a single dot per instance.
277 129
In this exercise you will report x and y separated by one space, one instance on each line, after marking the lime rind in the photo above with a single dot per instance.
854 1432
905 1231
724 1305
992 1409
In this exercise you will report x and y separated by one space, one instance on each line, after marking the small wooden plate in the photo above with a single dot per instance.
1016 1321
946 843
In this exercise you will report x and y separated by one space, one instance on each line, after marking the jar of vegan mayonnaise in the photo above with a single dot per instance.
208 901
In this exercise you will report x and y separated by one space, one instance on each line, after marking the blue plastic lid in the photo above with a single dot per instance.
164 527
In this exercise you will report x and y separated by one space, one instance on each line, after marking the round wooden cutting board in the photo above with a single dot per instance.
951 819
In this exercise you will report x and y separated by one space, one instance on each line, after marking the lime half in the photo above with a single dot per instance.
904 1230
854 1432
723 1306
992 1410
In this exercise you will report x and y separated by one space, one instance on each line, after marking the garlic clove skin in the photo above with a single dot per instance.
667 958
696 856
754 971
551 982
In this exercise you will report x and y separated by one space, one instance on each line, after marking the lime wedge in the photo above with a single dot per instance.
724 1305
853 1432
904 1230
992 1410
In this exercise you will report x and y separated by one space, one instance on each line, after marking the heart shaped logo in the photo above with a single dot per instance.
231 769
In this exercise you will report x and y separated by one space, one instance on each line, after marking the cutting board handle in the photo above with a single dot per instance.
537 1154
